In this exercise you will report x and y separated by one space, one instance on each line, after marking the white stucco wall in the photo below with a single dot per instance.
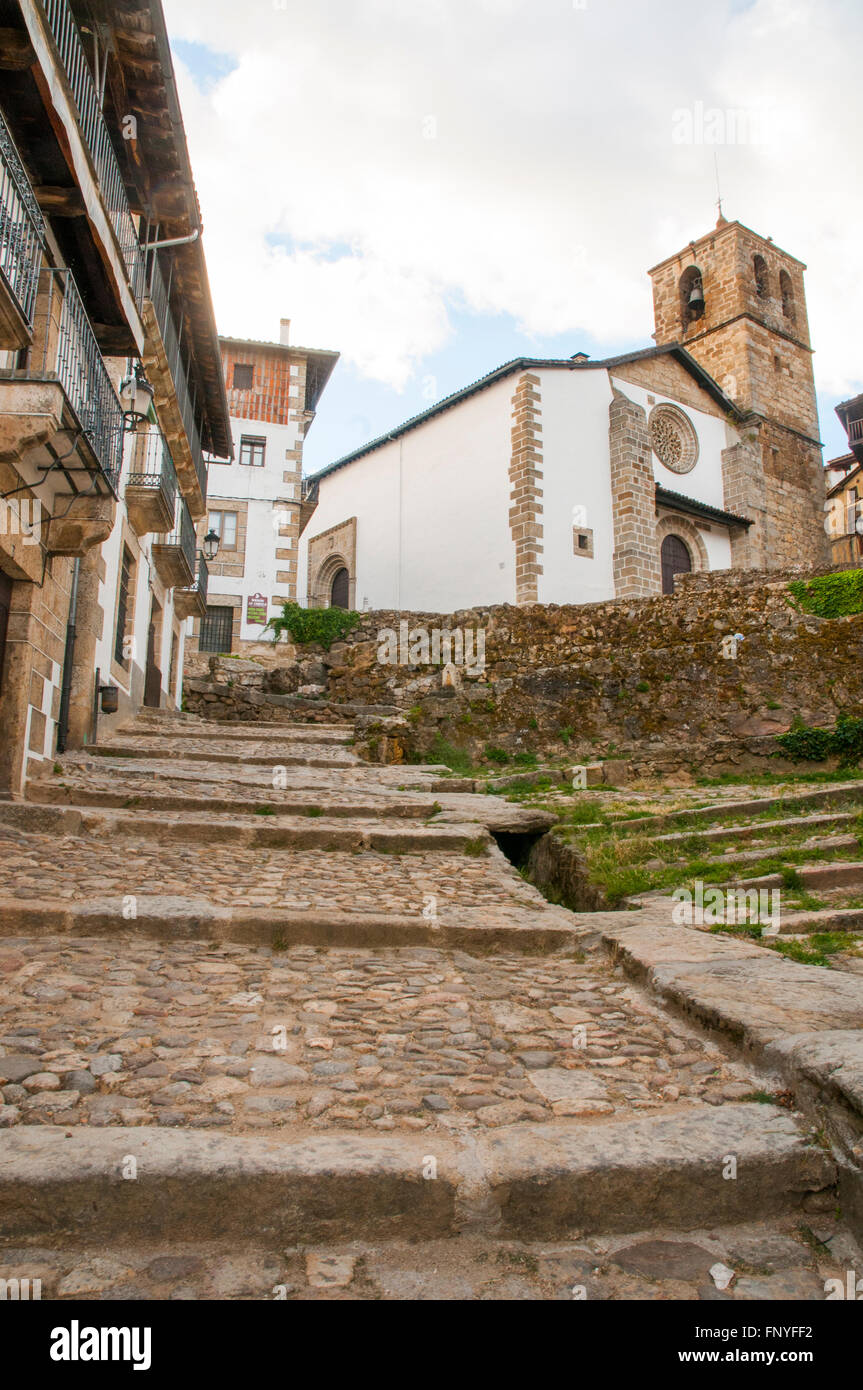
432 511
717 542
576 485
704 482
432 507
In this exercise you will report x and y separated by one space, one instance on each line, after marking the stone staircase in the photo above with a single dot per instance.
345 1042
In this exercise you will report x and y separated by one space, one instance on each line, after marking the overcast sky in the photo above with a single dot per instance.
433 187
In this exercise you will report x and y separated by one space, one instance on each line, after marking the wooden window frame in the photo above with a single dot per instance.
253 443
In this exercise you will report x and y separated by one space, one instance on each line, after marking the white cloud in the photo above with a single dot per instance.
551 182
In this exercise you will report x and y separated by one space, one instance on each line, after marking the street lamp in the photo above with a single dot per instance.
210 545
136 398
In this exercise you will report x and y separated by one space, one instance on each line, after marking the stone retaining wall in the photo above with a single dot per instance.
645 678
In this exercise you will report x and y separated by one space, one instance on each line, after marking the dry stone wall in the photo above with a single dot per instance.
649 679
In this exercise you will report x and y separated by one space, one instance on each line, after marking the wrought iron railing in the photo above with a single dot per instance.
22 230
96 137
65 350
183 534
202 580
157 293
152 466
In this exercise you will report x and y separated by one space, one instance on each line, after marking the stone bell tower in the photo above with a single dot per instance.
737 304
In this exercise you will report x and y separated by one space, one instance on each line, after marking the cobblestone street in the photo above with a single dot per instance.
123 1031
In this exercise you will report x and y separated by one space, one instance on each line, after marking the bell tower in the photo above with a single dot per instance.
737 304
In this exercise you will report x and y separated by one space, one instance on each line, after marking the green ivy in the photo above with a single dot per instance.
804 743
305 625
830 595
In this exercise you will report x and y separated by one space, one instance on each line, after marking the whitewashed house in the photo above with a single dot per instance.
254 503
573 481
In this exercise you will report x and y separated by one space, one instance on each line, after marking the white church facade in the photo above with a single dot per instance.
574 481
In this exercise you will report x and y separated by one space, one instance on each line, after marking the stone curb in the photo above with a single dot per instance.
801 1021
547 1179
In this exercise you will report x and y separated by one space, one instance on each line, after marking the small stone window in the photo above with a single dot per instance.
762 279
786 289
582 542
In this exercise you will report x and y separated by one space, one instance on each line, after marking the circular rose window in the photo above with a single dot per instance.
673 438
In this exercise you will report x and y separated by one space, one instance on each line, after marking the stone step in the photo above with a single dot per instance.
362 777
200 731
397 835
833 875
771 851
361 803
533 930
755 829
533 1180
828 919
367 805
284 753
843 794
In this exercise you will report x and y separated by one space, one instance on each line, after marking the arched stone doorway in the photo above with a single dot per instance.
676 559
340 589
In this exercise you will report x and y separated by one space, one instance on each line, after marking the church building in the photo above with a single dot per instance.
577 481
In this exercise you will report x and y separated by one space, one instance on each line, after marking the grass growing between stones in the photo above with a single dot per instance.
818 949
781 779
619 838
475 847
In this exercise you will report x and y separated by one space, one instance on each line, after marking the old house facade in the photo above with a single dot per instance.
560 481
273 391
110 375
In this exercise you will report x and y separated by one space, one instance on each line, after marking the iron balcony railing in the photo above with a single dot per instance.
202 580
183 534
22 230
157 293
152 466
65 350
96 137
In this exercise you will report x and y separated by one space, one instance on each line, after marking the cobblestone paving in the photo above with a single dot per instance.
98 1032
779 1260
76 869
254 1040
